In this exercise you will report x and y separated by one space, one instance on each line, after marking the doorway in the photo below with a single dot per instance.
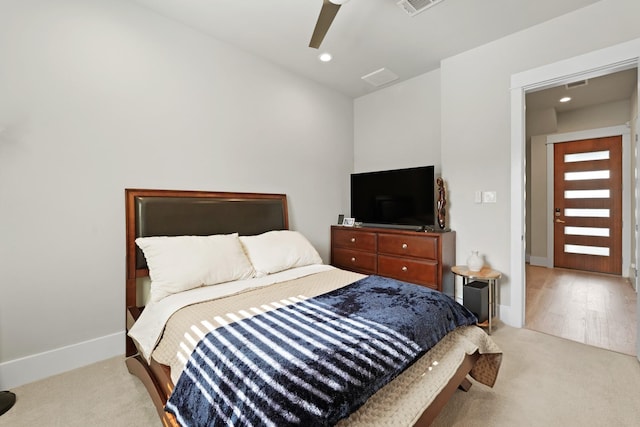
594 64
579 175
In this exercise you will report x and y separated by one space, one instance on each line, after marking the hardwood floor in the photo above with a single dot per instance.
595 309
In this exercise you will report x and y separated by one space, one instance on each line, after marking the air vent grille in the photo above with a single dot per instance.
413 7
380 77
577 84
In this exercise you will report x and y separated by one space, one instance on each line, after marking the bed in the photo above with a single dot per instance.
167 327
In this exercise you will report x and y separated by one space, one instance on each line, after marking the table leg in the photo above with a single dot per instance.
492 284
465 280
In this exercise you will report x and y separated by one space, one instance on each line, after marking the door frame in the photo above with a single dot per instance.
594 64
625 133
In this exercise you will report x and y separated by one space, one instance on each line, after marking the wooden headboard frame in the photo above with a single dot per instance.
200 213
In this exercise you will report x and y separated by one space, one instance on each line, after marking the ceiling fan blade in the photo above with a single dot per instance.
327 13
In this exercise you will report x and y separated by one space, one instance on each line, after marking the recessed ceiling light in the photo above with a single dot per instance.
325 57
565 99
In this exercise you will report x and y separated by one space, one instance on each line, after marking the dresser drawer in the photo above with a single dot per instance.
415 246
421 272
354 239
362 262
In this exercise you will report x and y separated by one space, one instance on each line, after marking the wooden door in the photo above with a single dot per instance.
588 205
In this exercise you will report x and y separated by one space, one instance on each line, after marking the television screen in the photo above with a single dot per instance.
394 197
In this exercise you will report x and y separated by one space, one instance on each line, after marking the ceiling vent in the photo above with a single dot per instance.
574 85
413 7
380 77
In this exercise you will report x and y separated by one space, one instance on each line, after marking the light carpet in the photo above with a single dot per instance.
544 381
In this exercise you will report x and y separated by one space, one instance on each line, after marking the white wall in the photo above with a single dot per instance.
399 126
103 95
635 203
476 119
537 217
597 116
541 122
634 194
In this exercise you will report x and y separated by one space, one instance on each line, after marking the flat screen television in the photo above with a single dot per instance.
399 197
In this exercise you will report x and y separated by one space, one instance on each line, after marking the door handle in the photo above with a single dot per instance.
559 220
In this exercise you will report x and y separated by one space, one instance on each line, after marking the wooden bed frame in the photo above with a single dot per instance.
174 213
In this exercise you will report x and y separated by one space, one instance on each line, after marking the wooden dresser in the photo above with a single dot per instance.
412 256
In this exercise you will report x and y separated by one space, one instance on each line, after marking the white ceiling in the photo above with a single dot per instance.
365 36
601 90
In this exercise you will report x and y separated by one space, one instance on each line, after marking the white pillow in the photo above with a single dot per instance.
276 251
181 263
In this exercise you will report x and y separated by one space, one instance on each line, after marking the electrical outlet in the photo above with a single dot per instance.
489 197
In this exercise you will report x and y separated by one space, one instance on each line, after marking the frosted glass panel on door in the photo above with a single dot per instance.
587 194
586 250
585 157
587 213
580 176
587 231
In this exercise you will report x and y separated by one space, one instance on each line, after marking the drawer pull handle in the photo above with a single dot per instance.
353 259
404 268
405 246
353 240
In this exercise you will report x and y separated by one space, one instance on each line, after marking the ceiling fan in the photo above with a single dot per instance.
327 13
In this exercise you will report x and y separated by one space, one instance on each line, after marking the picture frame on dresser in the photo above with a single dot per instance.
348 222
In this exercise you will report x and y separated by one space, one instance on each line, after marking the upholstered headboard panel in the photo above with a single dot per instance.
181 216
178 213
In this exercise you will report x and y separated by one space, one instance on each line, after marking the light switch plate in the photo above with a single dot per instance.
489 197
478 197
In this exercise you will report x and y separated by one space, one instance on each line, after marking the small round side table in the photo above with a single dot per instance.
487 275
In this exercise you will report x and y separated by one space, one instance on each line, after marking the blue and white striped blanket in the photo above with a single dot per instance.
313 362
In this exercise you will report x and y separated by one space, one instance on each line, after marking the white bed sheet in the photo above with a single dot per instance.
148 328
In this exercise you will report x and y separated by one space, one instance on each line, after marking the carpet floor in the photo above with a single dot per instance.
544 381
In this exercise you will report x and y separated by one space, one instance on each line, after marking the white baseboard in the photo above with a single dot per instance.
632 277
25 370
506 316
539 261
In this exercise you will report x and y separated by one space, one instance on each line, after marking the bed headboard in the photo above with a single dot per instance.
200 213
